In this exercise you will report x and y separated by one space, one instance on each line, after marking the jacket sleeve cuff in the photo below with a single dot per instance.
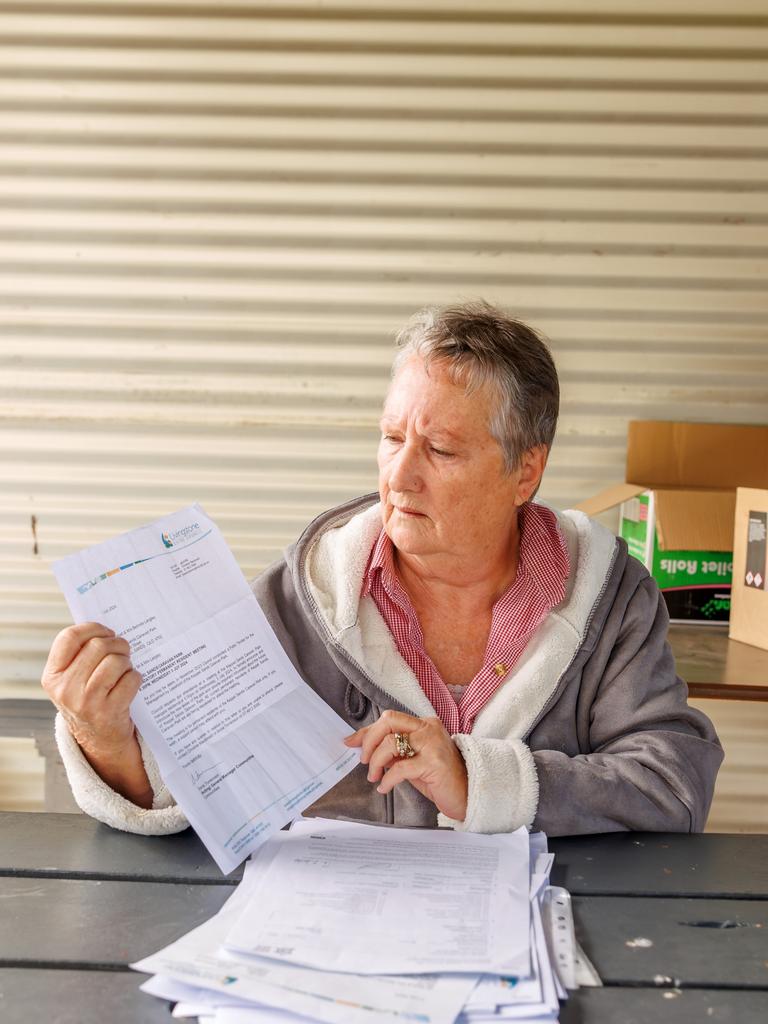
96 798
503 789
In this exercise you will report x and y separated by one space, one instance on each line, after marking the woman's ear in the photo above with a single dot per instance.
530 472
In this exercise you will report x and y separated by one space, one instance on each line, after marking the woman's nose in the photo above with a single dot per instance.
404 472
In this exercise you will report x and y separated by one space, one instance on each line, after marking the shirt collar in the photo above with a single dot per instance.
381 561
543 552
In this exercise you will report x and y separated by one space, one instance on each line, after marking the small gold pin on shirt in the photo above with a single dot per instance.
499 669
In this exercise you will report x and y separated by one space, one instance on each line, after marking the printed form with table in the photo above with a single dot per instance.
333 921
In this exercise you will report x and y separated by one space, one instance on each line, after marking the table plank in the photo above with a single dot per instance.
77 846
714 666
81 923
664 1006
620 863
26 716
675 942
662 864
77 997
96 997
108 924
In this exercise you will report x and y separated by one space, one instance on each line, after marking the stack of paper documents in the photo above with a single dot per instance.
343 922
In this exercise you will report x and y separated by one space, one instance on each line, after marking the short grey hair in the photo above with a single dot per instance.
482 346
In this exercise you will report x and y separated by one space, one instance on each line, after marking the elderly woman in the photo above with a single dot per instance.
501 664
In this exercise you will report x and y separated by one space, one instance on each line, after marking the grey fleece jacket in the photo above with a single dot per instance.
590 731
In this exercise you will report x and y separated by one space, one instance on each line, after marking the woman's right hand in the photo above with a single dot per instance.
90 679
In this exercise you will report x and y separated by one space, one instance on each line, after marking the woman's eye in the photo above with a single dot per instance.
441 452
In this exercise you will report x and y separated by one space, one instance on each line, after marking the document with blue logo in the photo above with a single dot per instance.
242 742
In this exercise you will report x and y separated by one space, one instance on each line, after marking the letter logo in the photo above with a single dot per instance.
167 540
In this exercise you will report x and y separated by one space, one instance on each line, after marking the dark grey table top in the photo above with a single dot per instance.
76 846
662 864
44 996
114 998
664 1006
696 943
634 863
76 895
83 922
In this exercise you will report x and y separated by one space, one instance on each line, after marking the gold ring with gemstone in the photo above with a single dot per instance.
403 747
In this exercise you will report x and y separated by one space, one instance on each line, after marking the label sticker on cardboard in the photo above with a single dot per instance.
757 564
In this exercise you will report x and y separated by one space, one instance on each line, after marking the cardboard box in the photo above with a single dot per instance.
749 607
677 507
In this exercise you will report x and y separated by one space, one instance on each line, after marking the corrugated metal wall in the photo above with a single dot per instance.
213 217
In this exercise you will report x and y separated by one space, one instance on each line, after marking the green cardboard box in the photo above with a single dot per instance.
696 584
678 505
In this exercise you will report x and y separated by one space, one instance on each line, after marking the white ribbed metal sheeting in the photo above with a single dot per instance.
214 215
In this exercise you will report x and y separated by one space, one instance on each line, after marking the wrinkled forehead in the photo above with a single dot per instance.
433 395
465 373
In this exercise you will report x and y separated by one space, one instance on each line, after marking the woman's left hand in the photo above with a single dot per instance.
437 768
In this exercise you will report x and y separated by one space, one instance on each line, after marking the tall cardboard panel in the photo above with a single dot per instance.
749 595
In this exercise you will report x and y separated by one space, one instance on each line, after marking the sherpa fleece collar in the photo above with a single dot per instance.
333 562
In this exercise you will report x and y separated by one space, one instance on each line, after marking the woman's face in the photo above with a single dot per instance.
442 480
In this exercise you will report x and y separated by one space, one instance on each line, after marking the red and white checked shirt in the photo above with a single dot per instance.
543 568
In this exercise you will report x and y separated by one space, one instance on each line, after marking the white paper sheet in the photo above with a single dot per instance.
345 896
185 1011
545 969
323 996
242 742
250 1015
520 999
531 999
538 846
493 991
203 999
